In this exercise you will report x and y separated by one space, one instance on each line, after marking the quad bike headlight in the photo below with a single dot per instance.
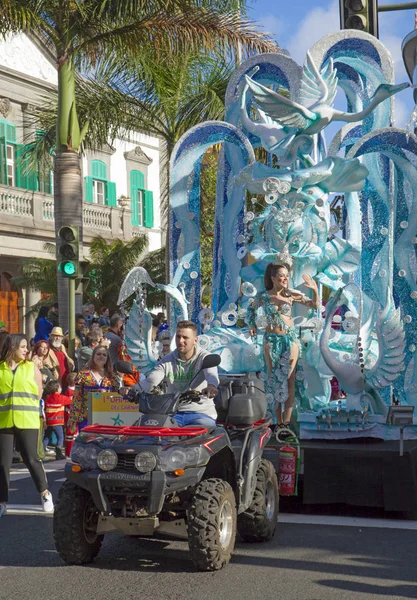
107 460
145 462
85 455
174 458
180 458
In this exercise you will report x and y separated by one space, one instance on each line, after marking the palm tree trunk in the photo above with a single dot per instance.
68 198
68 211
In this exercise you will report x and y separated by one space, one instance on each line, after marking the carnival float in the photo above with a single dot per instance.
340 207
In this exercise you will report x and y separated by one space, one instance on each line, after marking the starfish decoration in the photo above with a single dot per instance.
117 420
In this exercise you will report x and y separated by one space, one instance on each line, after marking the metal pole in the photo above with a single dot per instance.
401 441
71 317
403 6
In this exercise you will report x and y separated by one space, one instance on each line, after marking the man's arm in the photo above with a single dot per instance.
153 379
212 378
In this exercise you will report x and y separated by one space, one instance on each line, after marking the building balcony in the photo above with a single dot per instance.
31 214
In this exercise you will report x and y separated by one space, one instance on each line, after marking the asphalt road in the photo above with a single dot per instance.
311 558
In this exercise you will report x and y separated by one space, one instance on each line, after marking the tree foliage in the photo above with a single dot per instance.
110 262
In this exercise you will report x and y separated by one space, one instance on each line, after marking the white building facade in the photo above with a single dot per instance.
128 169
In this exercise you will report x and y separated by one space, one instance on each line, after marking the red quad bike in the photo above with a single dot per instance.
196 483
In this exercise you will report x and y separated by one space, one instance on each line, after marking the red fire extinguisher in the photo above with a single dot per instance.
288 471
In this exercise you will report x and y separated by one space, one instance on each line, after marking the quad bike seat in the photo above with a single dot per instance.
240 401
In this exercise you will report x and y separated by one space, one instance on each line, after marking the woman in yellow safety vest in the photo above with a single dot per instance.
20 392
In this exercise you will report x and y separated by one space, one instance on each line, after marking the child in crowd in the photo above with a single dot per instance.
69 436
54 412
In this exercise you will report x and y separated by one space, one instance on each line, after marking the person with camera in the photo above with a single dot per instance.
178 369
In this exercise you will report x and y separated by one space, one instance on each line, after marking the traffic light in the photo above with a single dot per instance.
69 251
359 14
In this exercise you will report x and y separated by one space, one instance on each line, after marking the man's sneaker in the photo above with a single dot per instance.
47 502
3 509
49 452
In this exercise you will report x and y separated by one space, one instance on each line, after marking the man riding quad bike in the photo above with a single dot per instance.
199 482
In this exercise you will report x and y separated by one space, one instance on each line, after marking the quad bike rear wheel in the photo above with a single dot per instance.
258 522
211 524
75 525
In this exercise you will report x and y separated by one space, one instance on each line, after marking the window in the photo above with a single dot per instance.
139 201
99 191
142 200
97 188
13 171
10 162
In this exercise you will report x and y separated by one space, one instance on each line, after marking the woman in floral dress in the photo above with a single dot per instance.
97 375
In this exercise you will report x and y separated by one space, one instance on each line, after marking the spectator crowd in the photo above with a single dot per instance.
99 343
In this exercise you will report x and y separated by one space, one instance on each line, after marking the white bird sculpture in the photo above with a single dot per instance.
391 345
314 111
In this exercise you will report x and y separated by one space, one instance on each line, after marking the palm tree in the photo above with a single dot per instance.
164 98
81 33
109 265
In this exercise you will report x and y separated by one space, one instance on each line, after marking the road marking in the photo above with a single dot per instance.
16 474
346 521
26 509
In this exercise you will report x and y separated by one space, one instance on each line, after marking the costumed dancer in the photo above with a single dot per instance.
284 379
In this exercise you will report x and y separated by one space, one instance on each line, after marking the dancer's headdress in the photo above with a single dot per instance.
283 258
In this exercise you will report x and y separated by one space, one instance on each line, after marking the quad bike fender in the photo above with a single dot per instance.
249 464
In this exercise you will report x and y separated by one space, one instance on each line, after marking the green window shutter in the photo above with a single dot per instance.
148 208
111 199
11 133
3 160
8 131
48 182
20 177
32 182
26 179
137 182
88 189
137 179
99 169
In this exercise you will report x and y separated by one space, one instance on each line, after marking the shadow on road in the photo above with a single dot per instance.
345 552
392 591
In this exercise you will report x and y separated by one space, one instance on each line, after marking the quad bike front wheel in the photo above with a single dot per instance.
211 524
259 521
75 525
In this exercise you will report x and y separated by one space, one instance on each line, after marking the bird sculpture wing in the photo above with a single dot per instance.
318 87
281 110
133 280
177 295
391 346
138 339
366 331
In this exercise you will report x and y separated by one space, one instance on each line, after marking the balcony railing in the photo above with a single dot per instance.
23 209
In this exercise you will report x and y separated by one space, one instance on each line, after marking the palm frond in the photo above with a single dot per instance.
178 25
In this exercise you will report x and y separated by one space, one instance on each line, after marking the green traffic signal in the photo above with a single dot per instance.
69 250
68 268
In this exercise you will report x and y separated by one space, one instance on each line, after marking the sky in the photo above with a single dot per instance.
298 24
